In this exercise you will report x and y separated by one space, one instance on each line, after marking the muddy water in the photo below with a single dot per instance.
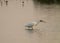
15 15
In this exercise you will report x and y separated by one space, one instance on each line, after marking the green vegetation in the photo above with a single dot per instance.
48 1
58 1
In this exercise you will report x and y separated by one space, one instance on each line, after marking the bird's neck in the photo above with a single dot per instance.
37 23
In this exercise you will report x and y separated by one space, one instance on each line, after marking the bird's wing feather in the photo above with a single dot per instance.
29 24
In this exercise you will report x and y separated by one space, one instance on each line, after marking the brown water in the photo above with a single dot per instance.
14 16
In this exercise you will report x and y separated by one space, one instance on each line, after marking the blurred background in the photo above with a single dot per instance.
15 13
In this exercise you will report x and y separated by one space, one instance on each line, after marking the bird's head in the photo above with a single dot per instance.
42 21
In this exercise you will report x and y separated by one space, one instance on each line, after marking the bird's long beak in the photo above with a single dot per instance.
44 21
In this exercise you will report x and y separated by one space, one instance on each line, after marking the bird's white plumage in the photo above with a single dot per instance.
31 24
34 23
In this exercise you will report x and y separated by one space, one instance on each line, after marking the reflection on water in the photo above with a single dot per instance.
32 31
13 18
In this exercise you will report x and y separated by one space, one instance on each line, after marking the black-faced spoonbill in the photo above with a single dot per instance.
29 26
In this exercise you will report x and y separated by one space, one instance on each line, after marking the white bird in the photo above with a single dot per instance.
31 24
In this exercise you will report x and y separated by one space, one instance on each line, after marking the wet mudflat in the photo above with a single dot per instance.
17 13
